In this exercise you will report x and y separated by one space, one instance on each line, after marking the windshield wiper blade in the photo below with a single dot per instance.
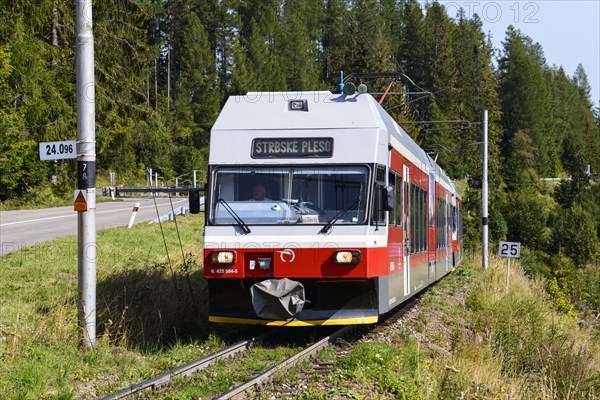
342 213
240 222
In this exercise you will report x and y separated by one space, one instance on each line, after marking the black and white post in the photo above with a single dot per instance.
86 173
484 195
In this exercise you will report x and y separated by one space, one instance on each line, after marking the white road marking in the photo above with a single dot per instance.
72 215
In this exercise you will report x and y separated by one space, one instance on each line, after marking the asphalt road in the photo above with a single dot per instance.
23 228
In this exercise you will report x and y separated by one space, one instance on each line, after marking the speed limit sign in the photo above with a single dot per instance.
509 249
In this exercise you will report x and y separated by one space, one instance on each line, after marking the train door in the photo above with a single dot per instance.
406 227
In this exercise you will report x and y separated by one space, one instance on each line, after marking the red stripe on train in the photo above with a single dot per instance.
298 263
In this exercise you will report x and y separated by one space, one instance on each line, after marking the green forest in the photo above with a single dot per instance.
164 68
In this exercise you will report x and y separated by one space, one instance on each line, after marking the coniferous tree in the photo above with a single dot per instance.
525 97
411 45
441 74
227 42
590 131
369 51
335 42
197 101
12 147
261 36
40 91
299 47
122 88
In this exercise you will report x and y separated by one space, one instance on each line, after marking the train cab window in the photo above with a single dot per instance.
298 195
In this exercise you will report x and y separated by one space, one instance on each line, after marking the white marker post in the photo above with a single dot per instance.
133 214
86 173
509 250
484 196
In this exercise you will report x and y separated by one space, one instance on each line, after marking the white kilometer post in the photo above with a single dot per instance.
484 195
86 173
509 250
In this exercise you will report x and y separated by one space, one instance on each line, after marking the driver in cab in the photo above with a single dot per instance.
259 192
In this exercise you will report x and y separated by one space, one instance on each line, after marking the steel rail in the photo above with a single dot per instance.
189 368
287 363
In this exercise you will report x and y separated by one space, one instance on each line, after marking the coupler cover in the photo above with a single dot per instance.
277 299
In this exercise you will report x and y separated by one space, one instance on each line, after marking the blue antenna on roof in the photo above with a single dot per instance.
341 85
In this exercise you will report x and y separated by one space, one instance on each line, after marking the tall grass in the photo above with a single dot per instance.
151 313
469 338
537 351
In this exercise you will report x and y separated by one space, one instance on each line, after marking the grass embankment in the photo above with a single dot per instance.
151 314
466 339
469 339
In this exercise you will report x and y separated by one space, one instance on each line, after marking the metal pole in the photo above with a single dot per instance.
507 273
484 194
195 178
86 173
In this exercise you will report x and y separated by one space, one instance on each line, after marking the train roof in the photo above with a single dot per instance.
323 110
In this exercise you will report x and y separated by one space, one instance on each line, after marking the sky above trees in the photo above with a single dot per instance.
568 30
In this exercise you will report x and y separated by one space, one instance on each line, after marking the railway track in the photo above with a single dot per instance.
289 362
262 378
359 332
191 367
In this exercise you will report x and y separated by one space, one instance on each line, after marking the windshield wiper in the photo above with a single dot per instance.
236 217
342 213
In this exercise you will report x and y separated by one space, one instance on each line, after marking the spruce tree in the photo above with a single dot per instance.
124 64
525 97
197 100
299 45
370 51
335 42
261 36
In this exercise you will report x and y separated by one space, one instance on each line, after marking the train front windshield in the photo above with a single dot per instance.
298 195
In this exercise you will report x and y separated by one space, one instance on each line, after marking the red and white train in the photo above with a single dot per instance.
321 210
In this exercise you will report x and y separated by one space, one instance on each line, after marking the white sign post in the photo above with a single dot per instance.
509 250
58 150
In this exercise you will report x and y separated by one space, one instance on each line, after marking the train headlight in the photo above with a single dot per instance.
222 257
347 257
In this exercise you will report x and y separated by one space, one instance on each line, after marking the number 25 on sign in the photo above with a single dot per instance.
509 250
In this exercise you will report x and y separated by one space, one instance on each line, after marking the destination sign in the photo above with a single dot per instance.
292 147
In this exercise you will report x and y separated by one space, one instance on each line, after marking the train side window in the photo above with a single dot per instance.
392 213
398 204
378 214
380 177
418 218
423 218
424 214
413 236
454 224
438 238
405 196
